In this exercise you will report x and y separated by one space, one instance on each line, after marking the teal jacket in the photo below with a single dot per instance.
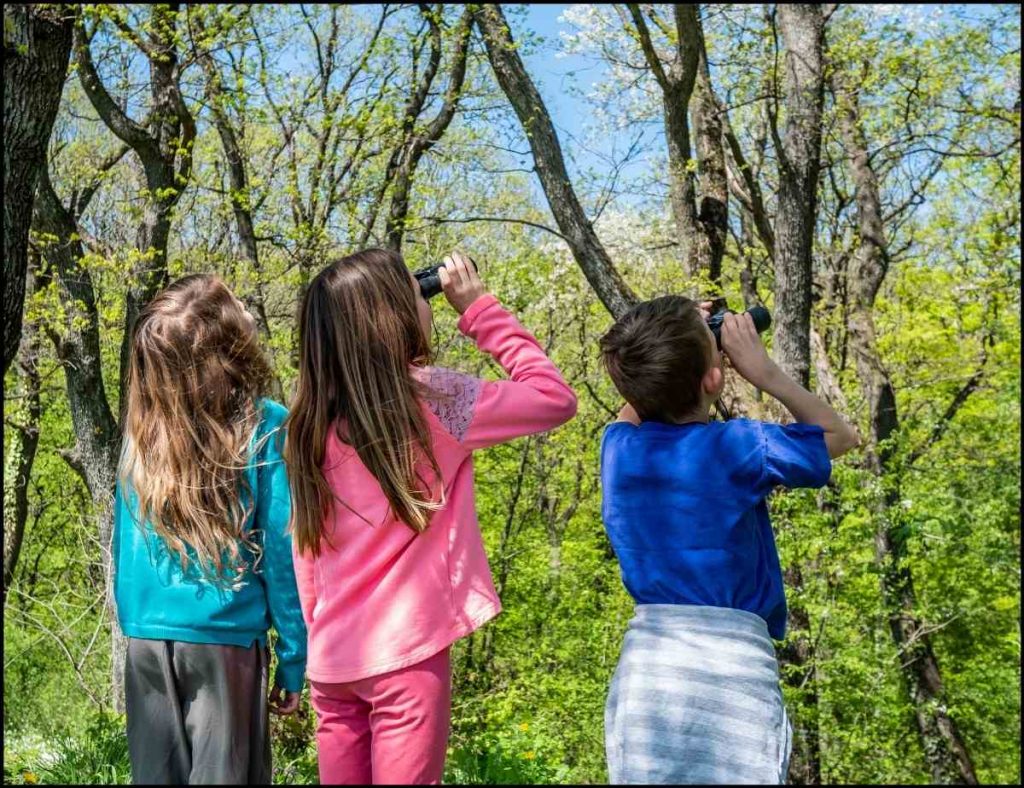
156 601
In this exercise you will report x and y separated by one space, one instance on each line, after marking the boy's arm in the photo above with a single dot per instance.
749 357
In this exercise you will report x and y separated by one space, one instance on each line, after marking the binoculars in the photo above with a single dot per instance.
430 281
762 320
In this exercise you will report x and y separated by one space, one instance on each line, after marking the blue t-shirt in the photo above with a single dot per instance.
684 506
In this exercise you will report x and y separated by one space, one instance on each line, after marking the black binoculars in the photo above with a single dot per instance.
430 281
762 320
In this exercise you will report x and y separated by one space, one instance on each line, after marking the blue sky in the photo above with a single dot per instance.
562 78
552 74
555 72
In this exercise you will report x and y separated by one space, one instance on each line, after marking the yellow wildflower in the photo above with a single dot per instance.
529 755
30 777
524 727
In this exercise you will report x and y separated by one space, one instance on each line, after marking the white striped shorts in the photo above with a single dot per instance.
696 699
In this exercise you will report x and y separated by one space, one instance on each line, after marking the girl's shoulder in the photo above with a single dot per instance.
268 440
273 413
440 382
450 395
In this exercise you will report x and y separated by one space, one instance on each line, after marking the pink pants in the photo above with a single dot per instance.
389 729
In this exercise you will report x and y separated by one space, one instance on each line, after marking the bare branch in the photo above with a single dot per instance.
435 220
644 37
124 127
972 385
579 233
81 200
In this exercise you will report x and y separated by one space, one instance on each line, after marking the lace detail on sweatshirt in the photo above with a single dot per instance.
451 396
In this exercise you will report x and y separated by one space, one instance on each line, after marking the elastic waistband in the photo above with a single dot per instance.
707 617
219 637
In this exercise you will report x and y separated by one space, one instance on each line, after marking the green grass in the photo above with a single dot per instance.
100 756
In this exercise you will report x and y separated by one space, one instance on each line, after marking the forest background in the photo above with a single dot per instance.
856 168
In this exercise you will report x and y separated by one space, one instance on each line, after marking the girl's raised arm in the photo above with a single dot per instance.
536 398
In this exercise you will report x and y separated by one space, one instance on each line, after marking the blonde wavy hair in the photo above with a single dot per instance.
359 336
195 376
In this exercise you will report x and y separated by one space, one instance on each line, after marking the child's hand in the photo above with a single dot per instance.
460 281
746 352
283 702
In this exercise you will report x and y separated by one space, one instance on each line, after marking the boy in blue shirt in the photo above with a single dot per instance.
695 697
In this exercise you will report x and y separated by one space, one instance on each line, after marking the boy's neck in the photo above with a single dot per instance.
700 416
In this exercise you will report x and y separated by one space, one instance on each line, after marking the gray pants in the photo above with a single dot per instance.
197 713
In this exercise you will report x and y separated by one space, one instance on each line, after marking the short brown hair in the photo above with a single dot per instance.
656 355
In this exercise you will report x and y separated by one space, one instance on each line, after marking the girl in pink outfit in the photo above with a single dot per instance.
389 559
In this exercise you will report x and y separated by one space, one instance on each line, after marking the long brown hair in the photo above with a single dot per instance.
359 332
195 376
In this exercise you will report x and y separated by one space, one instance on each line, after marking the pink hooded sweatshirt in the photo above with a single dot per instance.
385 597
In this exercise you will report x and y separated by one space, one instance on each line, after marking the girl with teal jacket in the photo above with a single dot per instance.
202 555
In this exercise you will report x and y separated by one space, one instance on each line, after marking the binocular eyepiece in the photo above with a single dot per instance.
430 280
762 320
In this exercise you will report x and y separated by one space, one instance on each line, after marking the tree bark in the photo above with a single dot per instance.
686 88
799 163
576 228
21 454
240 195
676 83
97 436
945 750
416 145
164 147
805 763
37 48
709 116
799 155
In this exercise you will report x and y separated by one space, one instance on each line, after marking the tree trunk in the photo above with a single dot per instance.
681 188
22 451
708 117
675 101
238 176
576 228
946 752
149 277
37 47
104 513
796 659
163 145
240 200
418 144
97 437
701 232
799 163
